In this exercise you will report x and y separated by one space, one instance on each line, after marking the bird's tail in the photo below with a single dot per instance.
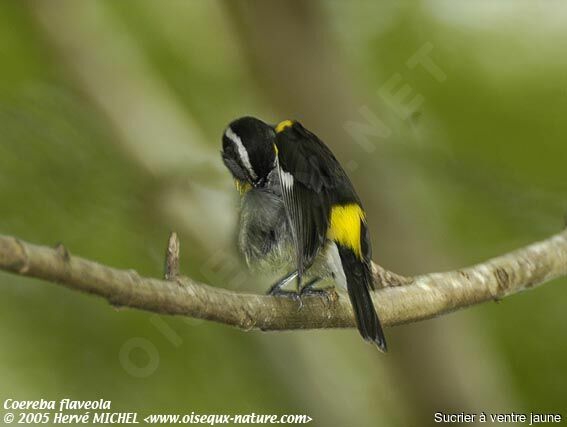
359 282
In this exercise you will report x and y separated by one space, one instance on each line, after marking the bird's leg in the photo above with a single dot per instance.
276 289
309 290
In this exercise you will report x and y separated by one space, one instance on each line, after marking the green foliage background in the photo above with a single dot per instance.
479 169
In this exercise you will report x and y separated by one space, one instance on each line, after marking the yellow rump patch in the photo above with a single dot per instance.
283 125
344 227
242 186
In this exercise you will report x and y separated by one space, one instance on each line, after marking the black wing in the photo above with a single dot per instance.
305 167
312 182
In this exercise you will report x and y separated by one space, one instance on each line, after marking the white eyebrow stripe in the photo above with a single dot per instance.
241 151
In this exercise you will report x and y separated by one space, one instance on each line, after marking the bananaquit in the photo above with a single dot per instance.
300 214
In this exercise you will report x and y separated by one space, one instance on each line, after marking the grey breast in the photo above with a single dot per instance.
264 237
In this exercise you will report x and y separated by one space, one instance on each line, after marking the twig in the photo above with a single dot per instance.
400 300
172 257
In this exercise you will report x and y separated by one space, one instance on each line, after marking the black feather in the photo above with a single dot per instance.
307 202
319 183
359 282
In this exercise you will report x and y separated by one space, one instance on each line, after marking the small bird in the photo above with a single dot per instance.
300 214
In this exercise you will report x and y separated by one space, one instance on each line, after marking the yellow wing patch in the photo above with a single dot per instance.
344 226
284 125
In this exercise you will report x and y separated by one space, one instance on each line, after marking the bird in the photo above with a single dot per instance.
300 215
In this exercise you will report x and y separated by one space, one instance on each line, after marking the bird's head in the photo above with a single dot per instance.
248 151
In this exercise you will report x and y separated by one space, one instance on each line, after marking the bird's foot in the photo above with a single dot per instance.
329 293
279 293
276 288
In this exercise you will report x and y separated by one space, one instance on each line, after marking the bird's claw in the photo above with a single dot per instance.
295 296
330 294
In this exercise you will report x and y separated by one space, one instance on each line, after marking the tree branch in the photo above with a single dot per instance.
399 300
